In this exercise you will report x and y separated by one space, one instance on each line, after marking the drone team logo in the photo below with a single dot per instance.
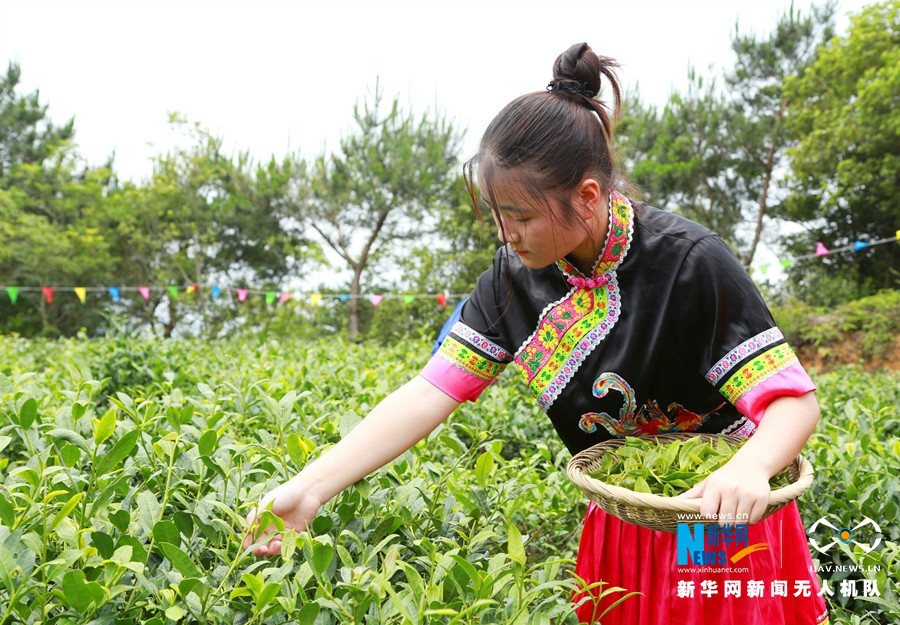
846 535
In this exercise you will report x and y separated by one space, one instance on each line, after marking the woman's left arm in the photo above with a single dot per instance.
740 489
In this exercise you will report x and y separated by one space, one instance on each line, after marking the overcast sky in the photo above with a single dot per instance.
274 77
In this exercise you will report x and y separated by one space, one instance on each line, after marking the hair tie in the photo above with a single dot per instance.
575 87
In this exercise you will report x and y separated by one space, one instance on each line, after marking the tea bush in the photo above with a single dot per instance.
127 467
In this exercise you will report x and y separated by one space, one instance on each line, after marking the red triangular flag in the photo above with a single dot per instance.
48 293
442 300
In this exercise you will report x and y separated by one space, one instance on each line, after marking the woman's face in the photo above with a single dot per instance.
537 229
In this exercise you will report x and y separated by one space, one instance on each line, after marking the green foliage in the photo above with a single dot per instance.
876 318
667 469
845 171
127 474
856 454
27 136
711 154
127 467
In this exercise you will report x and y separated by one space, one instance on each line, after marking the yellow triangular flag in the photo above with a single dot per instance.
81 292
315 298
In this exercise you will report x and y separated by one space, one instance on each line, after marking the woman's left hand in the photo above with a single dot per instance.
735 493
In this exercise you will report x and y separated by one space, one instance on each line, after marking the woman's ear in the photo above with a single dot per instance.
588 200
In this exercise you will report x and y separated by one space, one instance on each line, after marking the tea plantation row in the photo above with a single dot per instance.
127 467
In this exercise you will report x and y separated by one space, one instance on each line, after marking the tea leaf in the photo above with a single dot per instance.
80 593
65 510
180 560
28 413
105 426
484 468
119 451
69 436
515 549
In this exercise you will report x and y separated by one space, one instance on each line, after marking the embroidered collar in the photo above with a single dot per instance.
618 239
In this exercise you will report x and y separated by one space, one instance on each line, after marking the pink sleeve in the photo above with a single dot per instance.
792 381
457 383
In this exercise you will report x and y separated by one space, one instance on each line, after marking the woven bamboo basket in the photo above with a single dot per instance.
665 513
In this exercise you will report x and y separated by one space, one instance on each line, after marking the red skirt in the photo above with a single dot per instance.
772 582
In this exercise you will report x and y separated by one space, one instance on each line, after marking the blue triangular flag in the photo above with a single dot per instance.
215 292
113 293
859 245
344 297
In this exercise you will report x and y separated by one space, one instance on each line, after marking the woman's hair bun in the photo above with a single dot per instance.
578 70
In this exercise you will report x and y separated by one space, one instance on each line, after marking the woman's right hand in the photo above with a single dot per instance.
294 502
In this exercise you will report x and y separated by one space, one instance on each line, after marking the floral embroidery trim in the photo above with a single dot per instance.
477 340
618 238
568 332
762 340
470 361
649 419
571 328
757 370
746 429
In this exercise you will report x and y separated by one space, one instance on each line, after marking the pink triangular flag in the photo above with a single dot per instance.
242 294
284 297
821 250
145 292
48 293
376 299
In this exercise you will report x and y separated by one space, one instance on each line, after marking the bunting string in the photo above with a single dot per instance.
821 250
314 299
243 294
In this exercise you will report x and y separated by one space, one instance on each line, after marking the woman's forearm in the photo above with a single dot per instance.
740 488
397 423
784 429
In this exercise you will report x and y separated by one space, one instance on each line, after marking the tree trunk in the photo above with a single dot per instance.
173 319
764 196
354 304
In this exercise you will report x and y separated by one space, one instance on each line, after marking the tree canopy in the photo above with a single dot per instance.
845 168
802 128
